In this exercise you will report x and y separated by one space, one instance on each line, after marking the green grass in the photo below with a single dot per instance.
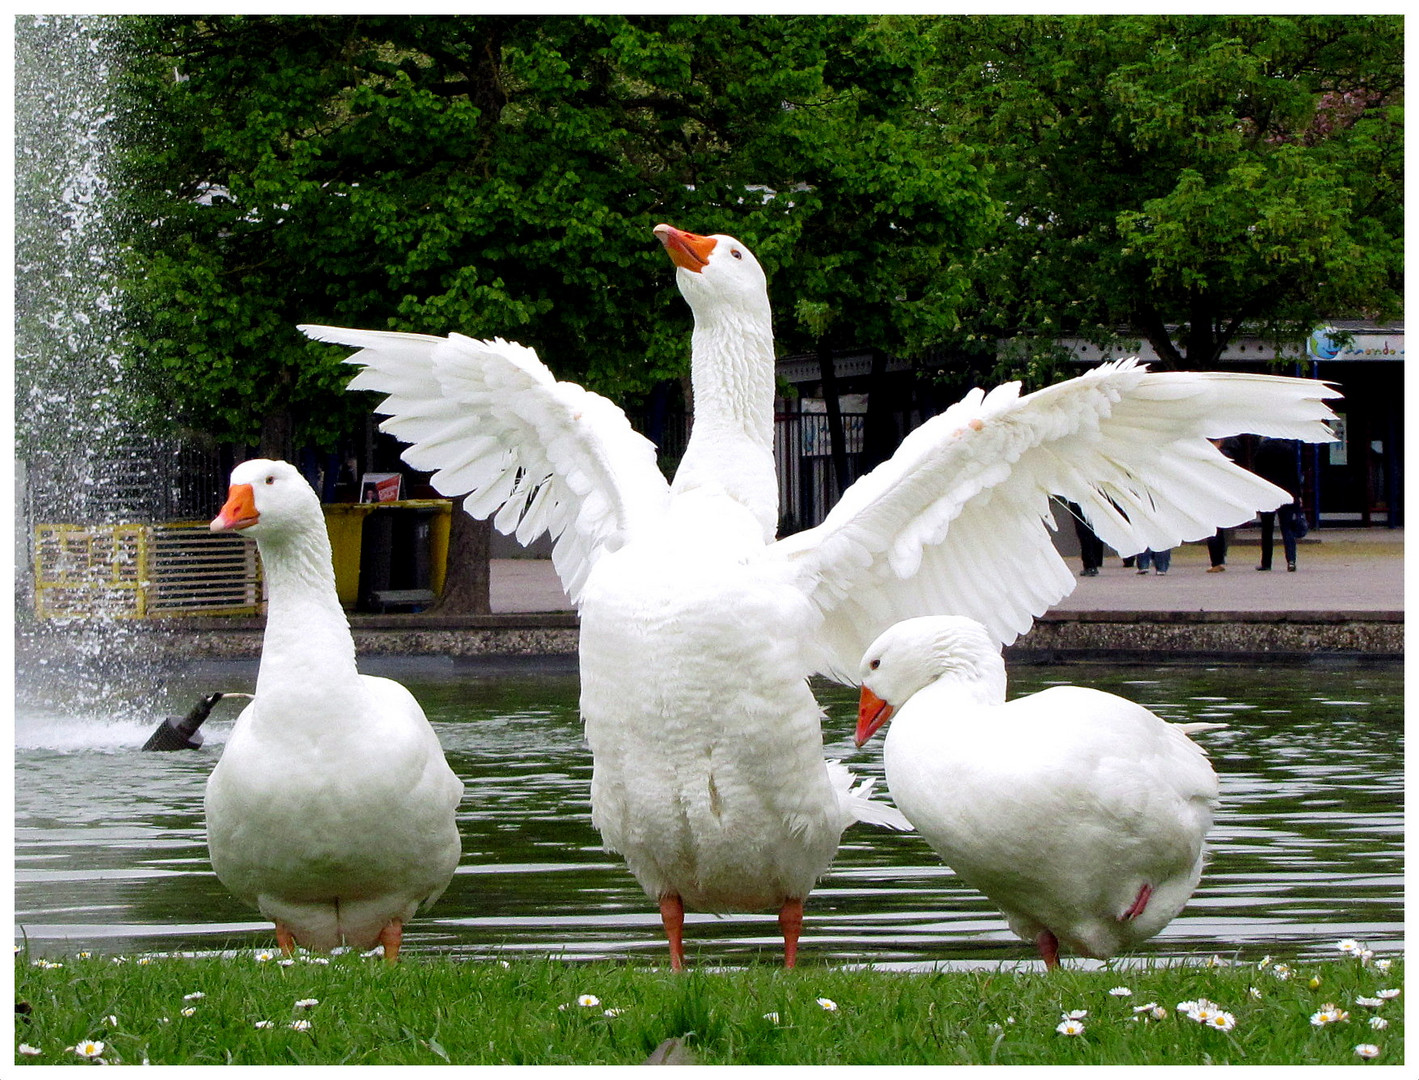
429 1011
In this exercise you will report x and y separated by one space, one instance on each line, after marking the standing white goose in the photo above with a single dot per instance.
699 630
332 809
1080 814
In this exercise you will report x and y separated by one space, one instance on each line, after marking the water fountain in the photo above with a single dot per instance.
76 458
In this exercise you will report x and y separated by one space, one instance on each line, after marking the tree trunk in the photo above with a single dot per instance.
467 582
837 441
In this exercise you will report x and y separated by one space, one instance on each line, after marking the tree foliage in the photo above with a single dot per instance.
500 176
1177 178
922 186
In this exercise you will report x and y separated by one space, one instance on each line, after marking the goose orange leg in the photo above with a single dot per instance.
390 937
1140 903
672 914
1048 945
285 940
790 921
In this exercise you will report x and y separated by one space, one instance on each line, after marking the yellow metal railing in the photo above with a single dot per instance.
130 571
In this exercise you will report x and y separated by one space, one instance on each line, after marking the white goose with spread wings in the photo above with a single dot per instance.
699 630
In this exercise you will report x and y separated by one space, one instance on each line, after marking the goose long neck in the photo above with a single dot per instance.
307 642
732 373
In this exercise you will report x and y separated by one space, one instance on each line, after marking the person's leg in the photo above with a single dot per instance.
1268 532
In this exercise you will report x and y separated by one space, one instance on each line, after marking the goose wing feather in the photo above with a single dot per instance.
490 421
958 519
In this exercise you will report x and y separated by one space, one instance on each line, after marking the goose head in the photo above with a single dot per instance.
715 273
269 499
915 653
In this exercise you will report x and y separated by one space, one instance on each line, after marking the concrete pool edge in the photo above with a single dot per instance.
1058 635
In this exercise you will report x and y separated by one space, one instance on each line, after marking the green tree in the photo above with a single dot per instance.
500 176
1178 178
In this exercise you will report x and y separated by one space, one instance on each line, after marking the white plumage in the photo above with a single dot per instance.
699 629
1080 814
332 809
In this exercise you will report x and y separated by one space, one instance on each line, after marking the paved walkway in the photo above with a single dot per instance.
1337 570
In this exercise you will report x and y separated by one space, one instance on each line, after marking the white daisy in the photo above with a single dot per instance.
111 1020
588 1001
1369 1003
1329 1014
261 1024
307 1003
196 995
1379 1023
189 1011
1386 994
1121 991
28 1050
828 1004
1383 966
1222 1021
771 1017
1075 1014
91 1049
1070 1027
1367 1050
300 1025
1349 946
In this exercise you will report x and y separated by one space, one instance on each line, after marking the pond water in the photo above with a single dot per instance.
1307 848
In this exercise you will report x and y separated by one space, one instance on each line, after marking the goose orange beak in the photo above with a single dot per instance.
872 713
686 250
239 511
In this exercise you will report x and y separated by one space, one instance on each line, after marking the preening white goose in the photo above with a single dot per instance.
699 629
1080 814
332 809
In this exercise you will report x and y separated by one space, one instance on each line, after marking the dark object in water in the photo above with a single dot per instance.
181 733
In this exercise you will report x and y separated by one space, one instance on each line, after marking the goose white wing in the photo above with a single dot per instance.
490 421
957 521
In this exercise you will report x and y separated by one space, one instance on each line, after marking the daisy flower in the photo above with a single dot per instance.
91 1049
285 961
1367 1050
1074 1014
111 1020
1159 1013
828 1004
189 1011
1329 1014
1386 994
1121 991
1222 1021
1383 966
1349 946
1369 1003
1379 1023
262 1024
1070 1027
771 1017
317 960
588 1001
263 956
28 1050
307 1003
612 1012
1254 992
86 955
1282 971
300 1025
196 995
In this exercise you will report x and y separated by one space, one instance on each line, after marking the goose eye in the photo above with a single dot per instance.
735 253
270 480
875 664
